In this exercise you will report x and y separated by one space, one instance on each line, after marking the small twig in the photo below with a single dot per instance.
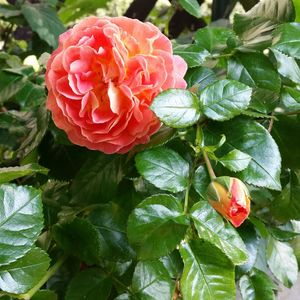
271 124
211 172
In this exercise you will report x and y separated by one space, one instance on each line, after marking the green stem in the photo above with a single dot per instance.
186 198
52 270
211 172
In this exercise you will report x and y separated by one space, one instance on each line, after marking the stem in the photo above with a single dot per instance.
52 270
211 172
186 198
271 124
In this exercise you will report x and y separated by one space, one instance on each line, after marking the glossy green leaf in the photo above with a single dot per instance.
213 39
282 262
157 218
290 99
79 238
208 274
200 76
211 228
44 21
173 264
98 179
23 274
192 7
251 239
11 173
287 66
176 108
194 55
201 180
286 134
287 38
235 160
21 220
256 286
164 168
151 280
254 140
254 70
110 220
225 99
90 284
286 205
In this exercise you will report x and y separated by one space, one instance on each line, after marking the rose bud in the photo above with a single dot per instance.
230 197
103 77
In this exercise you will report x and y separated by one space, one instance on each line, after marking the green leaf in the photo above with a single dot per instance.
21 220
213 39
74 9
98 179
194 55
44 295
30 95
297 8
256 25
173 264
208 274
287 66
200 76
286 134
251 239
282 262
254 70
44 21
287 38
286 205
111 221
79 238
254 140
177 108
164 168
8 11
235 160
151 280
191 6
90 284
11 173
225 99
211 228
283 235
157 218
37 125
256 286
10 84
201 180
290 99
23 274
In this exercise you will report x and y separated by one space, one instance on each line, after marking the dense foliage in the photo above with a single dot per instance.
80 224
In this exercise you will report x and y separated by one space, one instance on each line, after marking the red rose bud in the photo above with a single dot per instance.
230 197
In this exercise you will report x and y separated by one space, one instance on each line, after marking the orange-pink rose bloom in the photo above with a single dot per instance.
102 78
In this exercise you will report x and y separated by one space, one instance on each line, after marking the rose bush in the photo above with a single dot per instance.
171 219
102 78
